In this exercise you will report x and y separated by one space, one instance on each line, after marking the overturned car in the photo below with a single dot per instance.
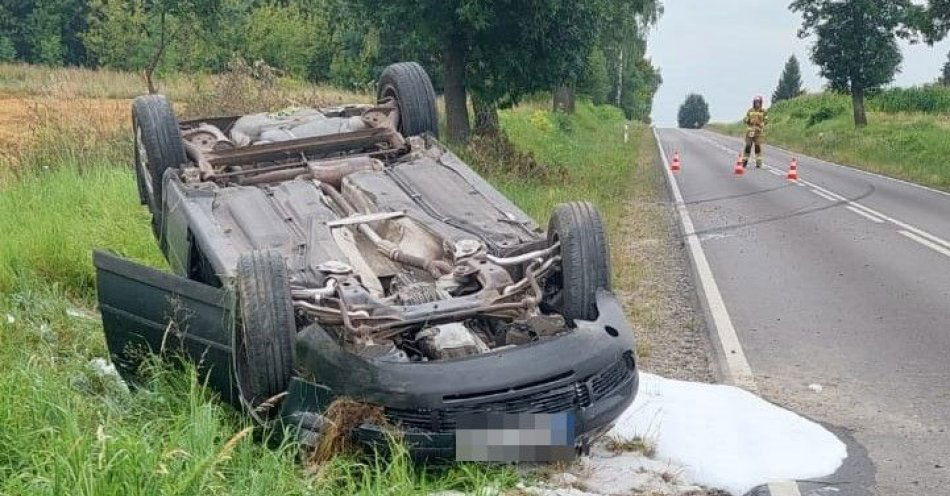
344 252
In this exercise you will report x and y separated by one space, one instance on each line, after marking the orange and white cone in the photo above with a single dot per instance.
739 169
676 166
793 170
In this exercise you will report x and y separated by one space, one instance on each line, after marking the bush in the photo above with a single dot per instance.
824 113
7 50
813 109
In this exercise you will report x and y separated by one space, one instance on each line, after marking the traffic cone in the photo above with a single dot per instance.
793 170
676 166
739 169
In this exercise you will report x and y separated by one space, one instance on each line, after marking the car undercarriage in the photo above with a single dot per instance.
344 252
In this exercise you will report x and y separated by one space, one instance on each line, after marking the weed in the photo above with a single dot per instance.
634 445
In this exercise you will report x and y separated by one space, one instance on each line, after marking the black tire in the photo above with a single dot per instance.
409 85
158 147
585 259
264 331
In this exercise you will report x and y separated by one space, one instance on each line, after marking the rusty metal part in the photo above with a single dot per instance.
325 171
379 138
526 257
437 268
383 116
392 329
206 137
193 152
316 294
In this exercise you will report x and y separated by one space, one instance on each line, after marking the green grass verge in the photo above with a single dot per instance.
66 430
581 157
902 144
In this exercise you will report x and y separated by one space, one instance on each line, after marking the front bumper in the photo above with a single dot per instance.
591 371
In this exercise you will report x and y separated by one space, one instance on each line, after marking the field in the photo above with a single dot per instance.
67 188
906 136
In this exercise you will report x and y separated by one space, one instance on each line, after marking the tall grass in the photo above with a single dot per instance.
930 99
580 156
22 80
68 429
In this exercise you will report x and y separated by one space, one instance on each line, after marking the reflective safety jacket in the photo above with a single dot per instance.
756 120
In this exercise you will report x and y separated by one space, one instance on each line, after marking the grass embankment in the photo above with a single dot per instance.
906 136
66 430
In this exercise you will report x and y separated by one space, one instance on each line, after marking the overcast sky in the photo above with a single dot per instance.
731 50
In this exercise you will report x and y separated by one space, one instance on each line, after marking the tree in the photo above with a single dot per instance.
932 20
128 30
44 31
945 74
856 47
694 113
284 37
594 83
790 84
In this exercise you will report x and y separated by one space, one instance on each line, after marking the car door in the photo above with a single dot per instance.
145 310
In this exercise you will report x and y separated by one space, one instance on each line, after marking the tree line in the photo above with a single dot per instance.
490 52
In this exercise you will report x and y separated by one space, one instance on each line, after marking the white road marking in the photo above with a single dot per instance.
870 211
784 488
866 215
739 370
926 242
823 195
840 166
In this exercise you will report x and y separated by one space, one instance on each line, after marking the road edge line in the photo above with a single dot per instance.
732 361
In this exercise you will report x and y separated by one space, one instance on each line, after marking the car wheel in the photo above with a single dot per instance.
585 260
408 84
158 147
263 333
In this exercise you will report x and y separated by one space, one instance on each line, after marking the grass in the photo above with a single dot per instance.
70 430
633 445
906 136
21 80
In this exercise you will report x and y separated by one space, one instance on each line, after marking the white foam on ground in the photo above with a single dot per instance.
727 438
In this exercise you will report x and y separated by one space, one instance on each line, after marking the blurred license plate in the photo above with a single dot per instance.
503 437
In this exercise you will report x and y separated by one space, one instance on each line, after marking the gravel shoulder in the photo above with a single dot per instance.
653 280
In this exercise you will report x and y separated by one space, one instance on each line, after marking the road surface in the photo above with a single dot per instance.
838 288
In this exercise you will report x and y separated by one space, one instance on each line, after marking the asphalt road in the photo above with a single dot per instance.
838 287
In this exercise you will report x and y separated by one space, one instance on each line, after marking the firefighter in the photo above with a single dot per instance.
755 120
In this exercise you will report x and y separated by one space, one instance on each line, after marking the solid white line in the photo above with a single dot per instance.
826 197
926 242
739 371
866 215
784 488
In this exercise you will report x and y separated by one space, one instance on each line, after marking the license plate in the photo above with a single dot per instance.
504 437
